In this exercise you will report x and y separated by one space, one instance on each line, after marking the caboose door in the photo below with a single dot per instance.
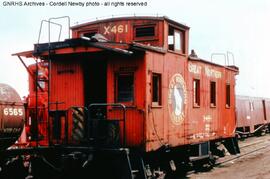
95 80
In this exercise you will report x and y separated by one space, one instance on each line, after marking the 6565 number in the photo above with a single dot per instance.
13 111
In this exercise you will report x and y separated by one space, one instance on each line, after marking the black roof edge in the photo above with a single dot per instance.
70 43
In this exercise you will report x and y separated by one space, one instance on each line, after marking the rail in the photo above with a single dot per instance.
246 150
245 153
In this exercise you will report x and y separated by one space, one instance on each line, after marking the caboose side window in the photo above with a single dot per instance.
145 31
125 87
156 89
212 94
228 95
175 40
196 92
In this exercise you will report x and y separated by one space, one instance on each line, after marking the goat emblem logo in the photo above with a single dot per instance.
177 99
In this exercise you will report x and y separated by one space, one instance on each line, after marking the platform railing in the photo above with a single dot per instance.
228 58
106 124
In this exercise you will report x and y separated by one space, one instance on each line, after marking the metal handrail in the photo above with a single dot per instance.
41 24
106 105
225 58
228 52
55 18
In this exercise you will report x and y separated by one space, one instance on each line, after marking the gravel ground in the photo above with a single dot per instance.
256 165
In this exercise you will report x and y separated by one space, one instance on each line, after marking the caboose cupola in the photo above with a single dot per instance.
153 31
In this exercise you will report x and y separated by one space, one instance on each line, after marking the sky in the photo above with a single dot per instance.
240 27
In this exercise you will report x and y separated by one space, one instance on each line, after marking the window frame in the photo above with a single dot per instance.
213 105
157 103
197 93
116 87
228 95
145 38
182 39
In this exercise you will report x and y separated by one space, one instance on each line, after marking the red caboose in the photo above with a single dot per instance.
133 79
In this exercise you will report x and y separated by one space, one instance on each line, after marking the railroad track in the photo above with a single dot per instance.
247 148
241 155
251 144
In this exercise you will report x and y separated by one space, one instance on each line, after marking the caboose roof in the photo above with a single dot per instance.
27 54
233 68
113 19
80 45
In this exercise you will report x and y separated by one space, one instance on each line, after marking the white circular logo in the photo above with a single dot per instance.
177 98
